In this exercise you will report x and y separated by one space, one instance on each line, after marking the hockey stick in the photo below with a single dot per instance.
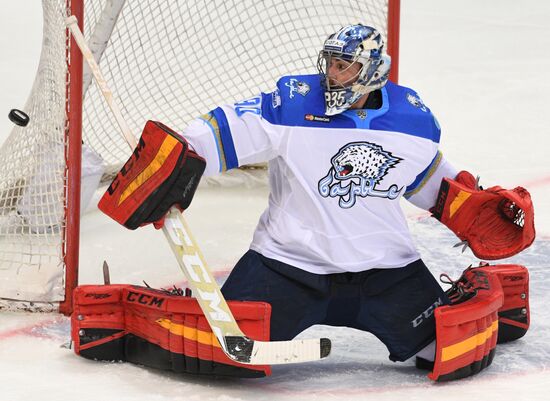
236 345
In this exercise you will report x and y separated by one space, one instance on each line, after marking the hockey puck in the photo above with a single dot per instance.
19 117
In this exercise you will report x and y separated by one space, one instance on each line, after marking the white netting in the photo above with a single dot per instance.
178 62
166 60
32 181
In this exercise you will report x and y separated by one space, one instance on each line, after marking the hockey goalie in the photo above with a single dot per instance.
344 146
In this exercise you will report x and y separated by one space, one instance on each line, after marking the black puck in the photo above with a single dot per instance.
19 117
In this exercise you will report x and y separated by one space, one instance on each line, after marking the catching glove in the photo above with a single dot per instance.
496 223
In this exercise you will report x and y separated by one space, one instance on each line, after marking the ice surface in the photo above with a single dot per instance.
482 67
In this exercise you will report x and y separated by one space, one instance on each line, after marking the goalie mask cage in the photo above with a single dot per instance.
164 60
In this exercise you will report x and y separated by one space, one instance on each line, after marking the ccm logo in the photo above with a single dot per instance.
427 313
144 299
135 157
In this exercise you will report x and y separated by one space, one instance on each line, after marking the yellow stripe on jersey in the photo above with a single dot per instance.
214 126
431 171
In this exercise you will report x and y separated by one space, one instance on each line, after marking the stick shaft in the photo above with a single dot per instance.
72 24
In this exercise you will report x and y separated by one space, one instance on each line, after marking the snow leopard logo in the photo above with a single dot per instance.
297 86
416 102
357 169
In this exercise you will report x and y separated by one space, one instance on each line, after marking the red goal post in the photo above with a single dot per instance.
165 60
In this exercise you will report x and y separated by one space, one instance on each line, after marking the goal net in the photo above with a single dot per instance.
164 60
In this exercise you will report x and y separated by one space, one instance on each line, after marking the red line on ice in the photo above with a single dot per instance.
539 182
28 330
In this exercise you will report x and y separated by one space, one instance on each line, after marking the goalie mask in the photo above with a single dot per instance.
355 44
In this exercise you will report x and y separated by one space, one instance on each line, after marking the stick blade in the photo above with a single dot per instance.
247 351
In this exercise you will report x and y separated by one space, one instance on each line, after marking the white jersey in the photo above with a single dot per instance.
336 181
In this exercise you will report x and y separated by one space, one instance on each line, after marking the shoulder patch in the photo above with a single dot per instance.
297 86
415 100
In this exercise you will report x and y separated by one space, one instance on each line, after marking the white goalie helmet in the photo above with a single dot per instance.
355 44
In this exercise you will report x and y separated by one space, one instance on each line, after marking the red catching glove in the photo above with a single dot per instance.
497 223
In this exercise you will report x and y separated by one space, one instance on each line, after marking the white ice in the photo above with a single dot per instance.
482 67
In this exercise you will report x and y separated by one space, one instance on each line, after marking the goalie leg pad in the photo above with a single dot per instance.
162 172
159 330
467 330
513 316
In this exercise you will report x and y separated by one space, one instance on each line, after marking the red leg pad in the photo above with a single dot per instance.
466 333
513 316
156 329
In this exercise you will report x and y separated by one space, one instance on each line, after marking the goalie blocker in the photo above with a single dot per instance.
162 172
